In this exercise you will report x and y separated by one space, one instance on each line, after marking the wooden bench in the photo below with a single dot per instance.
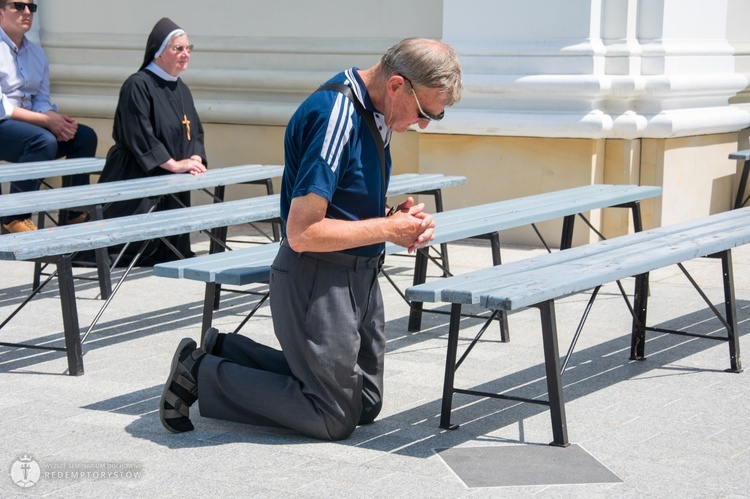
539 281
252 265
94 197
56 245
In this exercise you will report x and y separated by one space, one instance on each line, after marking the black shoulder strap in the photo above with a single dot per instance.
369 120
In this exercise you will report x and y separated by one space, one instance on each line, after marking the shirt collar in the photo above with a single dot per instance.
360 89
154 68
4 37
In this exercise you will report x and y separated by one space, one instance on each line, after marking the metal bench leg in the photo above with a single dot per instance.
640 309
438 195
450 368
70 315
738 202
566 239
637 219
420 276
210 303
730 306
275 226
102 261
38 266
554 377
219 233
494 238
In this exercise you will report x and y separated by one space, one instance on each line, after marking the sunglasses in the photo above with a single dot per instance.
21 6
178 49
423 115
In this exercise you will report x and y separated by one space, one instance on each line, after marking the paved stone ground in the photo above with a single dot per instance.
675 425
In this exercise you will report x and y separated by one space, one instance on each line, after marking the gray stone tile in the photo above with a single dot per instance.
673 425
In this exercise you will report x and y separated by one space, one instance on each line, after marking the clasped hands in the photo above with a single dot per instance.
193 165
415 228
63 127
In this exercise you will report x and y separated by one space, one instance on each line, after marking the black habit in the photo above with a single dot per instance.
148 131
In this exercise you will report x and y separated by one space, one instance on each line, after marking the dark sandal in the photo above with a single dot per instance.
181 389
209 340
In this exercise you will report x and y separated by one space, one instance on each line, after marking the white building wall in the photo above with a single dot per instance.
557 93
578 68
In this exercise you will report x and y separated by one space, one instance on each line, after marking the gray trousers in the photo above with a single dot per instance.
328 376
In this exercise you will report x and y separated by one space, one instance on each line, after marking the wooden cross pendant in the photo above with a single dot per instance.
186 122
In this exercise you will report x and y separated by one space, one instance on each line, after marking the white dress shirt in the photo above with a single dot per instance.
24 77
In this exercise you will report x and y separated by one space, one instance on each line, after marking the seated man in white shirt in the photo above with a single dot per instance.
31 129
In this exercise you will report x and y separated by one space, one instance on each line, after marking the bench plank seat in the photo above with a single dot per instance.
539 281
93 197
252 265
416 183
122 190
472 221
207 268
451 226
103 233
13 172
520 284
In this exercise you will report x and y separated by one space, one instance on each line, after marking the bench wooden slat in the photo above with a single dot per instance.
108 192
103 233
206 267
255 261
741 155
520 284
405 183
452 225
473 221
468 288
630 260
13 172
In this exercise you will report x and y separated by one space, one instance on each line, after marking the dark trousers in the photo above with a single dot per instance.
328 376
22 142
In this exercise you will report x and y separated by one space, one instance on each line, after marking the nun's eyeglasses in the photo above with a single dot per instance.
21 6
178 49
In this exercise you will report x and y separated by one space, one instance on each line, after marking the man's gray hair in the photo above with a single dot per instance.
426 62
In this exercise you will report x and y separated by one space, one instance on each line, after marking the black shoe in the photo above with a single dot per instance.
209 340
181 388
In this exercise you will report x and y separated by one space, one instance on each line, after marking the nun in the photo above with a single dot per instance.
156 131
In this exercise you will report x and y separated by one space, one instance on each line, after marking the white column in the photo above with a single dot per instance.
594 68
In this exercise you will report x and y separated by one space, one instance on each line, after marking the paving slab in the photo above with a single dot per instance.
673 425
